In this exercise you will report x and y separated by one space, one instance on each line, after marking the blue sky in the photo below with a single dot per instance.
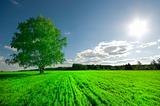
96 29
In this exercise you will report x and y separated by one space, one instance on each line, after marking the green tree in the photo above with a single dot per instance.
39 43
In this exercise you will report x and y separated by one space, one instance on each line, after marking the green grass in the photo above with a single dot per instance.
80 88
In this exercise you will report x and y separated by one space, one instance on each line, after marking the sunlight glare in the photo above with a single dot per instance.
138 28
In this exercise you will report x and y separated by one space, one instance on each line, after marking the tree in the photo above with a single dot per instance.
38 42
158 63
139 65
128 67
79 67
154 64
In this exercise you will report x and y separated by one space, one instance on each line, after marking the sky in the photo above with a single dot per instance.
98 31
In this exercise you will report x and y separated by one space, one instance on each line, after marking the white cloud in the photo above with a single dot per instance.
1 59
114 53
159 44
67 63
9 48
114 47
148 59
12 67
149 44
138 51
6 67
104 53
110 53
67 33
116 61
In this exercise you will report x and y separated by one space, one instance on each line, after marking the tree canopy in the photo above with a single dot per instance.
38 43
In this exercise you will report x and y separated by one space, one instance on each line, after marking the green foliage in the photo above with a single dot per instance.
80 88
38 43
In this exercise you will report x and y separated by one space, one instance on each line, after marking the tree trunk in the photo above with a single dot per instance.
41 69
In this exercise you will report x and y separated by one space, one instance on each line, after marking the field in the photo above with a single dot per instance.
80 88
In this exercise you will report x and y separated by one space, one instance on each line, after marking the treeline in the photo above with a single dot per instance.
110 67
154 65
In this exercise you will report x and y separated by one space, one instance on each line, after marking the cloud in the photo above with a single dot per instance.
67 63
114 48
67 33
149 44
15 2
159 44
12 67
1 59
138 51
148 59
6 67
104 53
9 48
114 53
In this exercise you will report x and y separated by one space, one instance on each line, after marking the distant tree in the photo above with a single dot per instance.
158 63
38 43
154 64
139 65
128 67
79 66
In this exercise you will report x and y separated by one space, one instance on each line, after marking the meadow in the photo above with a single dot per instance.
80 88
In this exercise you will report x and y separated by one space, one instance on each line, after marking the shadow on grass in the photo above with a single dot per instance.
19 75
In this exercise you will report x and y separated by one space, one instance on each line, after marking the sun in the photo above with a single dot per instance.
138 27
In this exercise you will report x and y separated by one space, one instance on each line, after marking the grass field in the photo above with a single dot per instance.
84 88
